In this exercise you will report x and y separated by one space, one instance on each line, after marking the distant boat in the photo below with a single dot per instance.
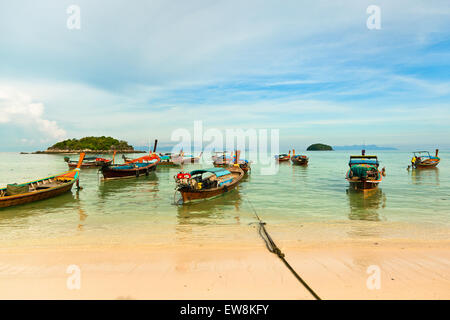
190 158
298 159
423 159
90 162
364 173
206 183
16 194
225 162
219 155
134 168
283 157
170 159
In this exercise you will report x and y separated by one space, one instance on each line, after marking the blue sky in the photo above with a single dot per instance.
312 69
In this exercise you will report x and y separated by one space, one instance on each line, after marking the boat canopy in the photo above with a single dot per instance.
424 154
219 172
363 161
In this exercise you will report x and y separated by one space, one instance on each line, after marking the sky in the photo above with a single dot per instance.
141 70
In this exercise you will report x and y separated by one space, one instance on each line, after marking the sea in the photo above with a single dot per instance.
299 204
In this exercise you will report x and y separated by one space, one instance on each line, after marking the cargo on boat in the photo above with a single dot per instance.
364 173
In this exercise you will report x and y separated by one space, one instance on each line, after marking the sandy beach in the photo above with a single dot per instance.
408 270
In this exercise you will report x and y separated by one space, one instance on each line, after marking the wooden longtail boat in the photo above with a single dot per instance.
190 158
283 157
170 159
364 173
423 159
298 159
133 168
46 188
219 155
227 162
90 162
206 183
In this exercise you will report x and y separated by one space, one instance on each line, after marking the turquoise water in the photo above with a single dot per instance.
297 203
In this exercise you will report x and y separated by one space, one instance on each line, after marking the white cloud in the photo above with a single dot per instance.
19 109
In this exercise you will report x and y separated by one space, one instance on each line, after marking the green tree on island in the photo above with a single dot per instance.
319 147
92 143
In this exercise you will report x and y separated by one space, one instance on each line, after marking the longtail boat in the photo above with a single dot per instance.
170 159
190 158
90 162
227 162
423 159
299 159
206 183
16 194
133 168
283 157
219 155
222 161
364 173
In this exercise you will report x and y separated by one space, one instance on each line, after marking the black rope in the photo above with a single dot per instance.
272 247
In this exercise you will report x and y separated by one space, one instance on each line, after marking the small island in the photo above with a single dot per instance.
319 147
91 145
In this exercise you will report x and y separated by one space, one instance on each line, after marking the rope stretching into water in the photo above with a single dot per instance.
272 247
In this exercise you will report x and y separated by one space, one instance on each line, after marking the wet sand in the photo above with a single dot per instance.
233 270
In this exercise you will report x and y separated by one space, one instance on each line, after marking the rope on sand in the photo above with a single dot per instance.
272 247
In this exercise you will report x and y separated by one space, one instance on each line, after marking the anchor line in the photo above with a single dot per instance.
273 248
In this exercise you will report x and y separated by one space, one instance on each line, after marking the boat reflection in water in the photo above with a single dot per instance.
430 176
63 203
366 205
148 184
219 210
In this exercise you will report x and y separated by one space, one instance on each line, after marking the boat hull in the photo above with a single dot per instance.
244 167
299 161
86 165
426 164
109 172
36 196
363 185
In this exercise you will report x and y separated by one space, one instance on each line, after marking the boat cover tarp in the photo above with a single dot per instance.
219 172
13 189
360 170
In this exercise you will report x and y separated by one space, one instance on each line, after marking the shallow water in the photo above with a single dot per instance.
298 203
